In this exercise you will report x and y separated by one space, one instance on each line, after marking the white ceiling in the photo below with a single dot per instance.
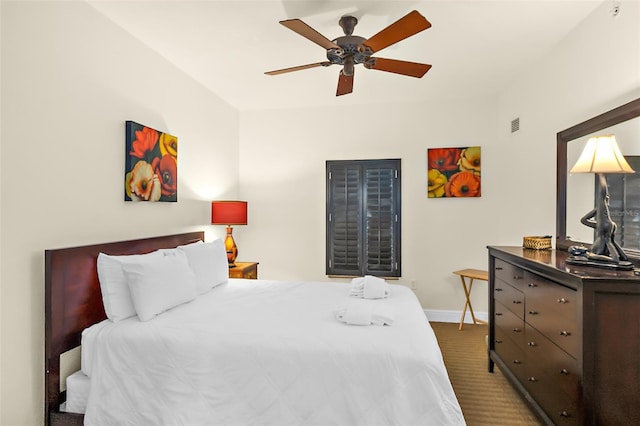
476 47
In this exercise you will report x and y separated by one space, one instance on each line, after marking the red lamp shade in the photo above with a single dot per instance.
229 212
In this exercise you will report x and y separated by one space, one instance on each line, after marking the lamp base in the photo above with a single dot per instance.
581 256
230 246
583 261
605 252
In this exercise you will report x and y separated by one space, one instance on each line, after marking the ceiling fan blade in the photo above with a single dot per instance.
410 24
306 31
299 67
412 69
345 84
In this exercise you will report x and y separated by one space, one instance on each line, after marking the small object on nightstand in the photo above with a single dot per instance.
244 270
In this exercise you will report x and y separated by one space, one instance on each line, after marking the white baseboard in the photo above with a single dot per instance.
453 316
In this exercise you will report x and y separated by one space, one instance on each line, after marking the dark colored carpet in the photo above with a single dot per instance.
485 398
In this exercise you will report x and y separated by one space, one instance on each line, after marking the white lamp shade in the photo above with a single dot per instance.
602 155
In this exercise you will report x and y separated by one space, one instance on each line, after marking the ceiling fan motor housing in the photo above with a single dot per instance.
348 48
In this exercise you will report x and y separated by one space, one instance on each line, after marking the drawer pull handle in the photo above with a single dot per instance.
516 277
532 344
517 330
517 361
517 302
533 312
564 414
564 371
498 314
565 333
563 300
532 285
498 289
532 379
498 268
498 341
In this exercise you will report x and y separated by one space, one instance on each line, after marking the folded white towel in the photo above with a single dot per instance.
358 313
365 312
369 287
375 288
357 287
357 283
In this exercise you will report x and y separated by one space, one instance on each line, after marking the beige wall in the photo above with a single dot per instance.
70 80
283 174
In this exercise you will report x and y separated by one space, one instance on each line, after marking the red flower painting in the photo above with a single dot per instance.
151 164
453 172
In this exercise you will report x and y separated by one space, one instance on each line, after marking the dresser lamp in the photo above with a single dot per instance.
229 213
601 155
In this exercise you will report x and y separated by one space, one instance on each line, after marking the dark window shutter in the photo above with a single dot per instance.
363 217
380 213
345 220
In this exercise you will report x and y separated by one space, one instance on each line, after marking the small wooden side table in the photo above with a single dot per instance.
244 270
471 274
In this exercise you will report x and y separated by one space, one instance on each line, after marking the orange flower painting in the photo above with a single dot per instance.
453 172
151 172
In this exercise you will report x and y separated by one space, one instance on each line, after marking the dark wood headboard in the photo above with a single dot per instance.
73 302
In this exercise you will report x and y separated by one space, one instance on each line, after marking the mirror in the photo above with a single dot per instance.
575 193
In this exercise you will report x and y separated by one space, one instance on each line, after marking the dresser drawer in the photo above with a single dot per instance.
513 355
543 292
510 324
560 331
508 273
552 310
510 297
552 378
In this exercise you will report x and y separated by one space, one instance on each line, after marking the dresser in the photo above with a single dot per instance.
567 337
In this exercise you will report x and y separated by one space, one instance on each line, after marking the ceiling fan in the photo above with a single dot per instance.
350 50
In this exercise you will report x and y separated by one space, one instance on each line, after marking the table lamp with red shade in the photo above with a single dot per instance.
229 213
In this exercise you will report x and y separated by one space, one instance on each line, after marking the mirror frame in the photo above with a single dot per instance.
617 115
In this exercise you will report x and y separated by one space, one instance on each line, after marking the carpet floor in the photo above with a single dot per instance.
485 398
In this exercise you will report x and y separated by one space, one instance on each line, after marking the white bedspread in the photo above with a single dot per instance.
256 352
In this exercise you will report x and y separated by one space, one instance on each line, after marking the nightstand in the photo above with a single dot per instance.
244 270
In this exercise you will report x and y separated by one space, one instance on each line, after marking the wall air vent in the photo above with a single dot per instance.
515 125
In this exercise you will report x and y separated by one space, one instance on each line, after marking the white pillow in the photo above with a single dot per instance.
116 296
160 283
209 263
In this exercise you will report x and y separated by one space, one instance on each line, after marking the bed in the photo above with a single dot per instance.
245 352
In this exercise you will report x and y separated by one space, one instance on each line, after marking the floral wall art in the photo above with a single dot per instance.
453 172
151 171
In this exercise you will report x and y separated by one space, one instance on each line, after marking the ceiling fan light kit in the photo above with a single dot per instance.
350 50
